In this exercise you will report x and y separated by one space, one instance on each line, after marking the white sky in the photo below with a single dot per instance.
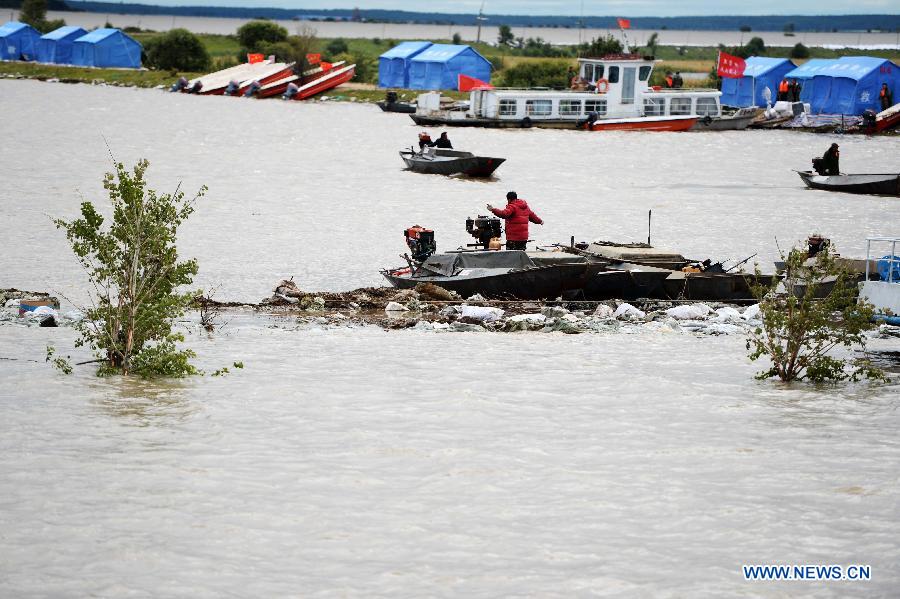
624 8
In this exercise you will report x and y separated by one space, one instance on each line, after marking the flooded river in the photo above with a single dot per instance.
354 461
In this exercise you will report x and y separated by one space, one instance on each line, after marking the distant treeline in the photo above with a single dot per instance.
51 4
721 23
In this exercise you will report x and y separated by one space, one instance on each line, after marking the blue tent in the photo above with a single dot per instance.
18 41
56 46
393 65
805 75
850 85
439 66
759 74
106 48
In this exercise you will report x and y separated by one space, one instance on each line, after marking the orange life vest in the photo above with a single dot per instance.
883 92
783 86
668 82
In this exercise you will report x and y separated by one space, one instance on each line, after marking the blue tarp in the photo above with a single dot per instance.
106 48
440 65
851 84
393 65
56 46
805 74
759 74
18 41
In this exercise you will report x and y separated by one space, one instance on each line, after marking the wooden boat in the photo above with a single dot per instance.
507 274
439 161
659 123
872 184
727 122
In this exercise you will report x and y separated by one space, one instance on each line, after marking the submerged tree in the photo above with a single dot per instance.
135 272
817 313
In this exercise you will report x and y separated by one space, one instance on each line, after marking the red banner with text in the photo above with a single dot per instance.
731 66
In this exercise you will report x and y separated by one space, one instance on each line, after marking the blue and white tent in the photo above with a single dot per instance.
759 74
805 74
850 85
56 46
18 41
440 65
393 65
106 48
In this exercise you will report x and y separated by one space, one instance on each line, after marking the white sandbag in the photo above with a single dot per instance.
533 318
690 312
628 311
604 311
727 313
395 307
751 313
482 313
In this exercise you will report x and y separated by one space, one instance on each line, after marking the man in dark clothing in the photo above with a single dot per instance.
887 98
443 142
677 81
424 140
830 160
795 90
517 215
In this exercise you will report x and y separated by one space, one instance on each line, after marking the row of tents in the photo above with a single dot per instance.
424 65
847 85
70 45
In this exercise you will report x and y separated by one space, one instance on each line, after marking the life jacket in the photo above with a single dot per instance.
883 92
783 86
669 82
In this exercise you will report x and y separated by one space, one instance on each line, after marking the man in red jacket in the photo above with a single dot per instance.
517 214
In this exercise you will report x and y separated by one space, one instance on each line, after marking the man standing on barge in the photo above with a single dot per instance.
517 215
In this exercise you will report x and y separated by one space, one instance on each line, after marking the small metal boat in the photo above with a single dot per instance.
871 184
736 121
505 274
438 161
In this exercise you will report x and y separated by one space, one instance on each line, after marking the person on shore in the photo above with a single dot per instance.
443 142
517 215
424 140
670 80
784 89
796 88
831 161
677 81
886 97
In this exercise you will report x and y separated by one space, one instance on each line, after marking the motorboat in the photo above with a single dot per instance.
887 184
440 161
736 121
392 104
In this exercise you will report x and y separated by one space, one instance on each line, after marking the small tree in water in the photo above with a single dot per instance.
801 327
134 270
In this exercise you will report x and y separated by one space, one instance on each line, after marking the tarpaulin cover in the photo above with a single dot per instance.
56 46
106 48
393 65
440 65
805 74
886 265
759 74
18 41
851 84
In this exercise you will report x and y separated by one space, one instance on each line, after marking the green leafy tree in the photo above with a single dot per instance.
537 74
135 273
177 49
652 44
506 37
801 327
756 47
295 48
602 46
366 70
34 13
799 51
251 35
336 46
457 39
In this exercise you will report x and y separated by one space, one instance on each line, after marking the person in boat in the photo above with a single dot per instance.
784 89
443 142
670 80
424 140
677 81
886 97
517 215
830 164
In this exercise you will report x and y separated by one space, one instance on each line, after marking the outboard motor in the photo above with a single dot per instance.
290 92
869 119
179 85
819 165
817 244
390 97
420 242
484 229
195 89
251 91
233 87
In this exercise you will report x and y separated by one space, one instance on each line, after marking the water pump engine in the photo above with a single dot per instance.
484 229
420 242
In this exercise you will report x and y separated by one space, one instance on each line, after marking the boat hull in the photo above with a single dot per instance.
542 282
329 80
438 121
705 286
737 123
404 107
874 184
645 124
472 166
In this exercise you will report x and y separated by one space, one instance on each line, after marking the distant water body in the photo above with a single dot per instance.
470 33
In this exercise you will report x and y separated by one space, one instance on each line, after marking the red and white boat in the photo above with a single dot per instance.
321 73
243 75
619 97
324 82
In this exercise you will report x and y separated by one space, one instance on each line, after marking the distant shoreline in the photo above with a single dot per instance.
559 36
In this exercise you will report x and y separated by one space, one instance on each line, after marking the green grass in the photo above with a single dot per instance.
68 74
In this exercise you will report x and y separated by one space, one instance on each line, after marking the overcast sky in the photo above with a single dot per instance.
624 8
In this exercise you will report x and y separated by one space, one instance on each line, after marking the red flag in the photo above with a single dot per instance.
624 23
467 84
252 58
731 66
313 58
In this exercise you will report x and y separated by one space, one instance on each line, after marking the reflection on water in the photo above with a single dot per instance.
361 462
